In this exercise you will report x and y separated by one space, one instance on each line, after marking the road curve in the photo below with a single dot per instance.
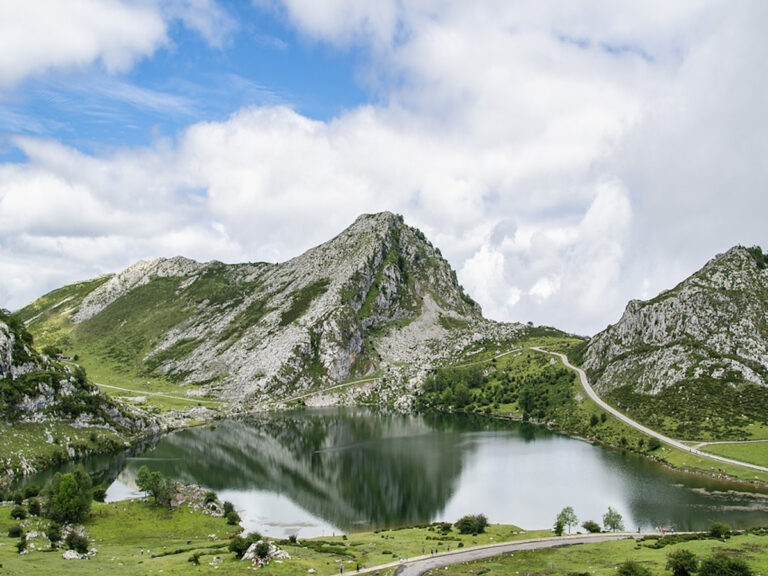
627 420
425 564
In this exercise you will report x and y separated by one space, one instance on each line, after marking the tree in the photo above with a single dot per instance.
527 400
472 524
159 487
568 518
53 532
632 568
593 420
612 520
591 526
262 549
719 530
70 496
720 564
682 562
558 527
654 443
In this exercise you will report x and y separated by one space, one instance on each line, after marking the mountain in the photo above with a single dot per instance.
693 361
377 300
37 387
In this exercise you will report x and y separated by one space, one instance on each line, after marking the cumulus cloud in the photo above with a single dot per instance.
37 36
565 158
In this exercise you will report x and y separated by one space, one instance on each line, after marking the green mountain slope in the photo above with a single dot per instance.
378 299
693 362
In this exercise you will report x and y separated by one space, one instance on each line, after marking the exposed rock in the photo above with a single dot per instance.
713 324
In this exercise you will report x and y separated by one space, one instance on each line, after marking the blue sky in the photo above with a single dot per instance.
263 60
565 157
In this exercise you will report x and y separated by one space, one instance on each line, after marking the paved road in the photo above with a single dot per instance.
424 564
626 419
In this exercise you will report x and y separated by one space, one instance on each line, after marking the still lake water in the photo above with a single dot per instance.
316 472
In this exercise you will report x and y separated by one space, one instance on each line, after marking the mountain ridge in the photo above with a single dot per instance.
378 297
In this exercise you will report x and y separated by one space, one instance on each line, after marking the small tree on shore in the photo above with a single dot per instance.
159 487
568 518
612 520
70 496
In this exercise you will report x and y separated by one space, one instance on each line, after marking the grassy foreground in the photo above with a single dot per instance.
602 558
121 531
136 537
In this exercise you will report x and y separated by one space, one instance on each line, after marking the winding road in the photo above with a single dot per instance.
627 420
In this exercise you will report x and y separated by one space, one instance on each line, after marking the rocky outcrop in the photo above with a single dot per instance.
712 325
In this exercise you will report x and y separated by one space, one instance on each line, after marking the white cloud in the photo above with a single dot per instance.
37 36
565 158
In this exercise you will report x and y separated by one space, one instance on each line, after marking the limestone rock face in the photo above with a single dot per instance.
713 324
377 298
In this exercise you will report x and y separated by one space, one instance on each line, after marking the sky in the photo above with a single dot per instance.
566 157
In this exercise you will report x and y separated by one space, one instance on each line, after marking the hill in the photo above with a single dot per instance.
693 361
378 300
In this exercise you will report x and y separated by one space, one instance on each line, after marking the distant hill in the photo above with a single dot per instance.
693 361
377 300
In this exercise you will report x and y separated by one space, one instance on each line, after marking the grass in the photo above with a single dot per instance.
120 531
602 558
302 299
752 452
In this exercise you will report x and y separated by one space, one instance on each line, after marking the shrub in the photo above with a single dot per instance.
262 549
559 527
654 443
19 513
228 507
159 487
719 530
15 531
53 533
76 541
591 526
593 420
31 491
682 562
239 545
472 524
292 538
34 507
195 558
209 497
99 493
17 497
21 545
632 568
720 564
232 517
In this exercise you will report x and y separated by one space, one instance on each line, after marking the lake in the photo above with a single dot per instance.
316 472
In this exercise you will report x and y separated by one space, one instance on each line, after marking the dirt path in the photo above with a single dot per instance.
702 444
160 394
627 420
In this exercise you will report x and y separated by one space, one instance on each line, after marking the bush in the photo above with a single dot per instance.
591 526
195 558
21 545
99 493
559 527
593 420
239 545
78 542
31 491
17 497
262 549
720 564
15 531
232 517
53 533
654 443
292 538
228 507
719 530
209 497
34 507
472 524
682 562
632 568
19 513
